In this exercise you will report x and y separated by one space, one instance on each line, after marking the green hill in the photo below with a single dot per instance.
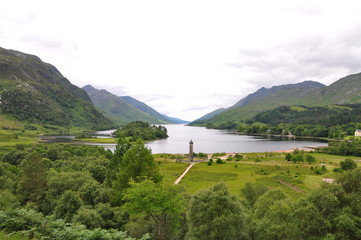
347 90
34 91
118 109
146 109
325 116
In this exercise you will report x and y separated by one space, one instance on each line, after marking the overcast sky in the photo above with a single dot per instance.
187 58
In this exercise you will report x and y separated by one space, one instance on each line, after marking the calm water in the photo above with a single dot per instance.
210 141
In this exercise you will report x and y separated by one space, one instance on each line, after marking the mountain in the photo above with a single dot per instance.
347 90
175 120
34 91
210 115
146 109
278 94
116 108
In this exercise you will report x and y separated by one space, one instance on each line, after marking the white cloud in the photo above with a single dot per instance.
187 58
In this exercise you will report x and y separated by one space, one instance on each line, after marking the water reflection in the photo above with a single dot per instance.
210 141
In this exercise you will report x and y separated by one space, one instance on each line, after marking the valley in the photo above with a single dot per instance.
124 187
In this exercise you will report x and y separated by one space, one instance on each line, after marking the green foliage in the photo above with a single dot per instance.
297 158
141 130
88 217
137 163
76 202
223 125
350 147
33 178
160 202
324 116
33 225
271 216
251 192
216 214
123 145
219 161
222 154
67 206
348 164
8 200
309 158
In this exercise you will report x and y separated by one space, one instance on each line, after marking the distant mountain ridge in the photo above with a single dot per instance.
346 90
125 109
146 109
298 89
35 91
116 108
175 120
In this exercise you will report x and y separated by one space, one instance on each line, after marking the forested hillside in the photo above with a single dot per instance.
35 91
344 91
326 116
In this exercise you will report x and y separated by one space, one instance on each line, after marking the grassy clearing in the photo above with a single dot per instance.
269 169
172 170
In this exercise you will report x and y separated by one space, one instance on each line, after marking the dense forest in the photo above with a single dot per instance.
141 130
300 115
50 191
336 132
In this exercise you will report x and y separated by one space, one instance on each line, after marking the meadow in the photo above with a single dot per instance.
269 169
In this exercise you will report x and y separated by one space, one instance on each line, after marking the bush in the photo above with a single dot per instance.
219 161
348 164
309 158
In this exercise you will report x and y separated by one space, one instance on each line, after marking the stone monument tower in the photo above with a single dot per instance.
191 151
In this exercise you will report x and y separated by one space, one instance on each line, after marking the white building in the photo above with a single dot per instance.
358 133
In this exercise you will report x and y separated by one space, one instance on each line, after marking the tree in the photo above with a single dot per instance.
160 202
123 145
270 218
67 206
309 158
33 178
251 192
137 163
215 214
348 164
88 217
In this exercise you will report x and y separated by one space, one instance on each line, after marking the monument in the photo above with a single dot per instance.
191 151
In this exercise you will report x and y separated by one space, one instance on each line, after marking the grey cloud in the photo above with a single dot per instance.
317 57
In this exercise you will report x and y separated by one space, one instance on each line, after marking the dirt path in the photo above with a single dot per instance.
290 186
184 173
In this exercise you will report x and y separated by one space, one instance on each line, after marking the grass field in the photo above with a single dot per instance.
271 170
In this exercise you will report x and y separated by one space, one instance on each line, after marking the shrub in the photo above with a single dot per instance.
348 164
219 161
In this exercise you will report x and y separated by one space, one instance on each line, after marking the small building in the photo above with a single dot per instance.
358 133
